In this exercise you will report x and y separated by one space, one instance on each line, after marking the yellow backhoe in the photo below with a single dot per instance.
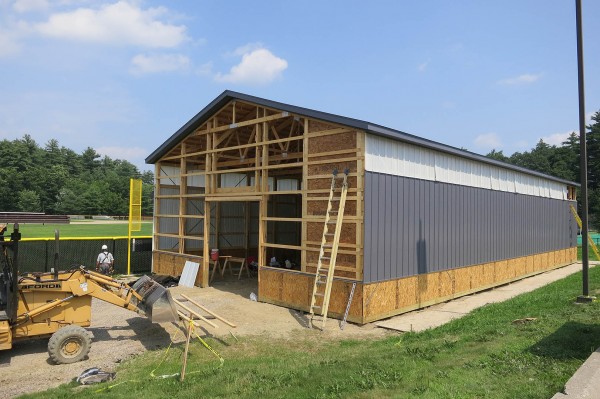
59 304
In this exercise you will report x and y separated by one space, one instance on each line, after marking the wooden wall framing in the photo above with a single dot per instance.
263 144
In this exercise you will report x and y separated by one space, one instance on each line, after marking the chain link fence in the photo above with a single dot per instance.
41 255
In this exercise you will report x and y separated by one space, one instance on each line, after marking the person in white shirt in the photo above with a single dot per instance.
105 261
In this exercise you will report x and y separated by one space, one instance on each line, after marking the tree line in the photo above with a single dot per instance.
563 161
57 180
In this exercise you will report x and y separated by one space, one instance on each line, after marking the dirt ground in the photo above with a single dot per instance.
118 334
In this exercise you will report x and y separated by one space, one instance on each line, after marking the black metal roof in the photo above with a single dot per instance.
372 128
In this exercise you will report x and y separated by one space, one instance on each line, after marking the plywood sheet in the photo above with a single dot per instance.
317 126
317 206
295 289
489 274
446 283
270 285
379 297
544 262
327 168
340 293
427 287
520 266
502 272
537 262
462 280
325 183
407 292
332 142
529 260
477 276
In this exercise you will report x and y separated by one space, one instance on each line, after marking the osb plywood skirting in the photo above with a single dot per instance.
383 299
389 298
294 289
172 264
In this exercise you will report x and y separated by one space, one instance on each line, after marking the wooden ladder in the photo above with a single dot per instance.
319 303
590 240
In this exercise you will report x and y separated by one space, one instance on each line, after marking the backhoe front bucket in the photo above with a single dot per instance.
156 302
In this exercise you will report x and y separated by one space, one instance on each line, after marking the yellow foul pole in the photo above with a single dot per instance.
135 214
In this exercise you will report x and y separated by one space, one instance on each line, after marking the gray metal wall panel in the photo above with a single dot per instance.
417 226
367 238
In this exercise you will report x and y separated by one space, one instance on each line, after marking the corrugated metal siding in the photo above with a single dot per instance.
397 158
417 226
232 225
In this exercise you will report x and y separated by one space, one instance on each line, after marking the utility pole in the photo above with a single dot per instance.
585 296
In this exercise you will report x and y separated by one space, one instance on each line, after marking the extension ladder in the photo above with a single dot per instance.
579 223
319 303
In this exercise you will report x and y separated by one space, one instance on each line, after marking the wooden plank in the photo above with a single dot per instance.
198 315
280 219
216 198
282 246
360 207
210 312
337 160
186 318
216 129
303 233
328 132
354 151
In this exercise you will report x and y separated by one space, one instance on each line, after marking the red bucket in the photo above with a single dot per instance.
214 254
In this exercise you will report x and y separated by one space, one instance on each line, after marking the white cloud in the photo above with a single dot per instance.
119 23
205 69
487 141
248 48
8 44
154 63
258 66
22 6
422 67
527 78
556 138
127 153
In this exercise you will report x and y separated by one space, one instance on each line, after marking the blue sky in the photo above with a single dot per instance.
122 76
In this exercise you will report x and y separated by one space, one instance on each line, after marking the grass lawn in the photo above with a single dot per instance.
591 253
483 355
81 230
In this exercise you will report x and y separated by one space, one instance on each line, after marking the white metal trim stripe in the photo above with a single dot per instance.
402 159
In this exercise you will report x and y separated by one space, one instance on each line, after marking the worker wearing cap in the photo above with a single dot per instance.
105 261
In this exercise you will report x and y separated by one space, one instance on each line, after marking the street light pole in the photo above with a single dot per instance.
585 297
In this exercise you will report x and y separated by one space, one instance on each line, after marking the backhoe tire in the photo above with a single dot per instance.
69 344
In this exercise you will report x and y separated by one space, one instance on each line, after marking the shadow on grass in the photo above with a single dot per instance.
572 340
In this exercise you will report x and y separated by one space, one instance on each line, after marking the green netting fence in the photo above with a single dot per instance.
38 255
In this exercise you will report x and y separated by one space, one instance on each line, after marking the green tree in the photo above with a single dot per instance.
89 159
64 181
593 151
29 201
497 155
